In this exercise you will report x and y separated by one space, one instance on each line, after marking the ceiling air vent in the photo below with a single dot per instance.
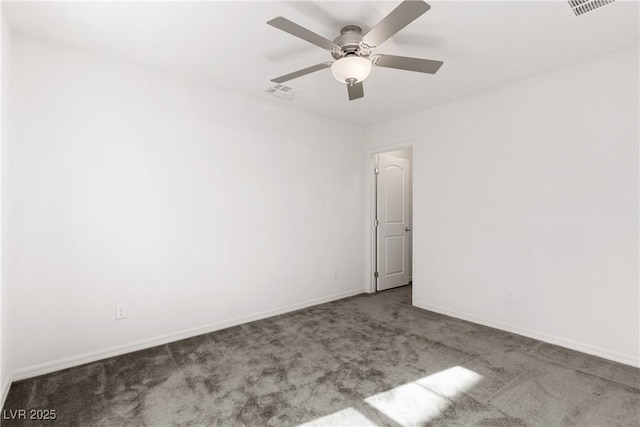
580 7
282 91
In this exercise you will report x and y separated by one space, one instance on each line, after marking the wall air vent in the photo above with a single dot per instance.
282 91
580 7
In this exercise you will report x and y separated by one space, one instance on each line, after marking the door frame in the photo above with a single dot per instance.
370 235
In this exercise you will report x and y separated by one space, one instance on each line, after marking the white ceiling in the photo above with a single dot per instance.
228 44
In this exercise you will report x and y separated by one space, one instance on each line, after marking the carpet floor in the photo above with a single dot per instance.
364 360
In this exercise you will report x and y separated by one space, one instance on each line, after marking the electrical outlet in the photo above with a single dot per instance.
509 297
334 276
121 311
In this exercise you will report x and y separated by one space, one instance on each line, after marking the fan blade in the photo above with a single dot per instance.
301 32
400 17
302 72
410 64
355 91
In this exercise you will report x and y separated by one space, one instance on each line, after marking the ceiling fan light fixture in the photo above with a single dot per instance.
351 69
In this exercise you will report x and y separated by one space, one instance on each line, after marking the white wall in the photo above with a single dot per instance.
196 207
532 187
5 78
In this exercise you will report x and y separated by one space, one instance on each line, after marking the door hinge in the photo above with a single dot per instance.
377 171
375 274
375 223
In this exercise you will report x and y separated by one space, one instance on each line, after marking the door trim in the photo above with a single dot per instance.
370 235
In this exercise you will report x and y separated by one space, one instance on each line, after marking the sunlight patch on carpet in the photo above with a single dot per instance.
344 417
425 399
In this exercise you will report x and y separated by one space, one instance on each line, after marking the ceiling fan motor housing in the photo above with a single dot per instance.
349 40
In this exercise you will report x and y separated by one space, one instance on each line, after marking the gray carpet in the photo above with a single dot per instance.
365 360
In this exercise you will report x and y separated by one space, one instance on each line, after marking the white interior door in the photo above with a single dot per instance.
393 219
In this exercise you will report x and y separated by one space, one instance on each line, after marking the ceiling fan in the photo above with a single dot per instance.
351 50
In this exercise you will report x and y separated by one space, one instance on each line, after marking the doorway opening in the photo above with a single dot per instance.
392 238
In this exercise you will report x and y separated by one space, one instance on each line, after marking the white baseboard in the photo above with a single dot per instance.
563 342
68 362
4 392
